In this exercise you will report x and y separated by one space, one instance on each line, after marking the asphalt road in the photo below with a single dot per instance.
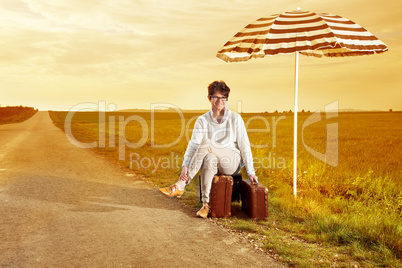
63 206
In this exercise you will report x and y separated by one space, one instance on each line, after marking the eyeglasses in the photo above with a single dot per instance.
215 98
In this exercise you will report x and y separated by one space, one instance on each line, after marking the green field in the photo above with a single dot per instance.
346 214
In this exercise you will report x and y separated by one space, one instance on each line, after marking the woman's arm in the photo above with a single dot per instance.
197 136
183 175
244 145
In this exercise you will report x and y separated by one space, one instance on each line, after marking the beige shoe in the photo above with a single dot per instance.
172 191
203 212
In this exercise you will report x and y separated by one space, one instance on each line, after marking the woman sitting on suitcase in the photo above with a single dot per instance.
219 144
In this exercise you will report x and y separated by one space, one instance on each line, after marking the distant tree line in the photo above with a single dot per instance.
14 114
287 112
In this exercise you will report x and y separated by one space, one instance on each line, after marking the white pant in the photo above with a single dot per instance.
212 159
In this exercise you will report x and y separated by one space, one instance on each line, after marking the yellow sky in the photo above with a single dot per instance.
56 54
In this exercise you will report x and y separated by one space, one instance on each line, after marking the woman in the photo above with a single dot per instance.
219 143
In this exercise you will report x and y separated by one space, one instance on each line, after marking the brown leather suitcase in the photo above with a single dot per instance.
236 187
221 196
254 200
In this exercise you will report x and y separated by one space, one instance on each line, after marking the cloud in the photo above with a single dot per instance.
81 15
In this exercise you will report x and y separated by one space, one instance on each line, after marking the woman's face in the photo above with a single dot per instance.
218 103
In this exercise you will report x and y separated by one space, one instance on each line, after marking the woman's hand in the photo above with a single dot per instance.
183 175
253 179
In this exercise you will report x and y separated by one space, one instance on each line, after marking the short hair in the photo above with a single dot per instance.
218 86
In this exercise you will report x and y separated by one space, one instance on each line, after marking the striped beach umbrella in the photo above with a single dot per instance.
304 32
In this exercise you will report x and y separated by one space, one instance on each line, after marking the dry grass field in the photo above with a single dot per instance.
345 215
15 114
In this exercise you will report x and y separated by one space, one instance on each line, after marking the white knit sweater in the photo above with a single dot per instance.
230 133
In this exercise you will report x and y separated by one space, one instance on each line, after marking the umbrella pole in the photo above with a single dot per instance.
295 127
